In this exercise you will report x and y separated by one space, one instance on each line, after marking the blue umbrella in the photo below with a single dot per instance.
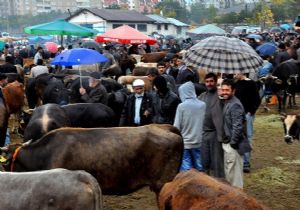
286 26
266 49
254 36
79 56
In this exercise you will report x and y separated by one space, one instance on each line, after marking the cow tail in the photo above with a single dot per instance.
93 184
97 194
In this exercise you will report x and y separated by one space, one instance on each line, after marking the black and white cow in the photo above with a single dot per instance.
291 125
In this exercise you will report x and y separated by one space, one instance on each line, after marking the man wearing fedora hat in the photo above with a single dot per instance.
138 107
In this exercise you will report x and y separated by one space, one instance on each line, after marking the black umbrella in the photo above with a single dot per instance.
91 45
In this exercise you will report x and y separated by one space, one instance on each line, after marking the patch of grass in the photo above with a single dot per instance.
273 120
269 177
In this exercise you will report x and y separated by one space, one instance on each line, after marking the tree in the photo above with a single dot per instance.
171 8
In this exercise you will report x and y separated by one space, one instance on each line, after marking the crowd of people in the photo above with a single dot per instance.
216 126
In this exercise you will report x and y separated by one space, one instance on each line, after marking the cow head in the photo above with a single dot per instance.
24 119
291 125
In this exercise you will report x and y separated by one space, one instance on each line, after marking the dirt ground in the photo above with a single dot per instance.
274 177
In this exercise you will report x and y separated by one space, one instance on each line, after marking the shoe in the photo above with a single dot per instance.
246 169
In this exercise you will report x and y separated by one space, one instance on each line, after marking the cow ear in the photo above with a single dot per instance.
282 116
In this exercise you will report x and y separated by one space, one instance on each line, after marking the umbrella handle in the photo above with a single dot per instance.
80 78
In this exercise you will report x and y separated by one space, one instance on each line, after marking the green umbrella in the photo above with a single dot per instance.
208 29
60 27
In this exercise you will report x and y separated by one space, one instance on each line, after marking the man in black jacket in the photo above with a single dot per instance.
165 102
247 93
8 67
137 110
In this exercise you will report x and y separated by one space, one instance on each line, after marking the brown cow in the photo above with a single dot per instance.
127 80
122 159
13 101
195 190
141 69
153 57
14 96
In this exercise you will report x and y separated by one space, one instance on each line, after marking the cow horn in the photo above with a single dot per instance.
4 149
29 111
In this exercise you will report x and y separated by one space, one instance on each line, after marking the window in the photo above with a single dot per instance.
142 27
158 27
166 26
116 25
179 30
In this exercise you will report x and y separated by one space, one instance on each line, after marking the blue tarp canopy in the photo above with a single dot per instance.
40 39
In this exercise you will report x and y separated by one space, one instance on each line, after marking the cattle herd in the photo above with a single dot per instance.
73 153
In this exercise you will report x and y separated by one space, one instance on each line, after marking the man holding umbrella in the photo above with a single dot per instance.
97 93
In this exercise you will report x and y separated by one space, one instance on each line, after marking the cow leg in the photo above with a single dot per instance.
294 99
279 99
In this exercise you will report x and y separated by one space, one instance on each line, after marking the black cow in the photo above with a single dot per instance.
44 119
57 189
285 90
122 159
90 115
291 125
51 116
48 88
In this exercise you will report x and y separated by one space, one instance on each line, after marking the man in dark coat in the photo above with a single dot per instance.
165 102
235 142
211 149
247 93
8 67
97 93
137 110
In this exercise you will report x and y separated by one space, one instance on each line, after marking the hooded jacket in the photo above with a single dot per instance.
190 116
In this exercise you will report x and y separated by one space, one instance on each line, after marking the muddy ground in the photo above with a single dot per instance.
274 177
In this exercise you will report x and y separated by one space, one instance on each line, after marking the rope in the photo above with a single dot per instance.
15 155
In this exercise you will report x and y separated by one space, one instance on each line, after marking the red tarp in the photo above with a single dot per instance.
125 35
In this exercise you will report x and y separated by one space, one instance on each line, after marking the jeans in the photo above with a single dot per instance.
250 120
191 159
7 138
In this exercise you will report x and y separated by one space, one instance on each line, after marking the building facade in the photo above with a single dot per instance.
23 7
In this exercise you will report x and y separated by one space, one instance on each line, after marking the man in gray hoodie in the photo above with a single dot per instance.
189 120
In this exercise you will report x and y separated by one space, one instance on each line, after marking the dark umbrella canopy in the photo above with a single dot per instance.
223 55
91 45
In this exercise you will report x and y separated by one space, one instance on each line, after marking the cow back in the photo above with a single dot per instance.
14 96
195 190
124 158
57 189
153 57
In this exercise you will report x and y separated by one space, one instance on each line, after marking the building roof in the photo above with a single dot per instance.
158 18
177 22
116 15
